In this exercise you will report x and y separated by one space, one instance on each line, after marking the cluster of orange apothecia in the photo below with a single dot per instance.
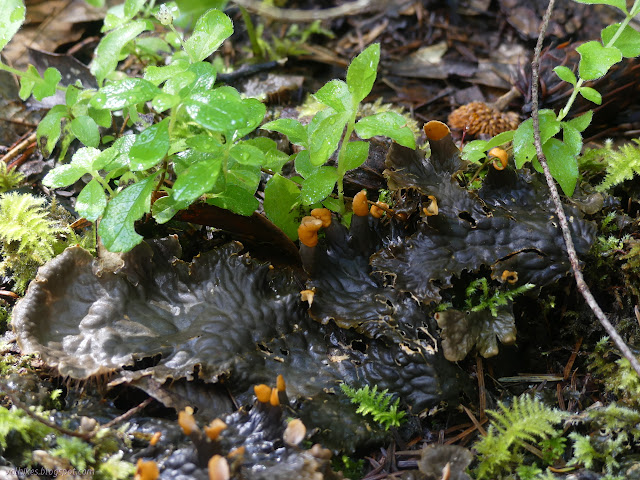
268 400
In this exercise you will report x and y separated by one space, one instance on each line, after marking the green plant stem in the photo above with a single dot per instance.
103 182
251 31
565 111
341 155
184 46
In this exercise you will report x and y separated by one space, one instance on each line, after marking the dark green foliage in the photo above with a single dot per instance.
377 404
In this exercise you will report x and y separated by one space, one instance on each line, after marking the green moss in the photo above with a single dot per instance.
377 404
9 178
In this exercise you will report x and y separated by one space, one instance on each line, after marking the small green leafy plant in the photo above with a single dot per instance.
9 178
618 41
377 404
479 298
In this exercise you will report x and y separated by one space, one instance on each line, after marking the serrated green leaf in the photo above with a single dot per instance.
523 147
596 60
196 180
12 13
123 93
336 95
591 94
107 54
281 204
91 201
361 74
150 147
116 229
27 82
582 122
318 185
116 156
47 87
565 73
303 164
628 42
247 154
562 164
293 129
245 176
621 4
236 199
71 95
49 129
324 140
86 130
388 124
81 164
572 138
211 29
355 155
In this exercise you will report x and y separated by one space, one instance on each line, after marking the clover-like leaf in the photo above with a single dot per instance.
211 29
12 14
628 42
388 124
362 72
108 51
91 201
150 146
318 185
86 130
596 60
116 229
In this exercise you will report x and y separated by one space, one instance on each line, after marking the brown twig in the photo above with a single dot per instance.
562 218
292 15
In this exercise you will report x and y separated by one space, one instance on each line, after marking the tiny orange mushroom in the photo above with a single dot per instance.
308 231
436 130
500 155
378 209
360 205
187 421
323 214
509 277
263 392
214 429
432 209
146 470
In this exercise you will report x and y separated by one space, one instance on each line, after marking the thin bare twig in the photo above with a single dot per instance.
562 218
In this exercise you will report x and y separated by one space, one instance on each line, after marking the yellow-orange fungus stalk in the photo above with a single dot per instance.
308 231
307 296
378 209
323 214
237 452
274 400
501 156
186 421
146 470
263 393
432 209
219 468
509 276
360 204
214 429
280 384
155 439
436 130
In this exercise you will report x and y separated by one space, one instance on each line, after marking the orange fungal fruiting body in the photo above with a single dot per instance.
187 421
360 204
509 277
219 468
214 429
274 400
263 392
146 470
295 432
378 209
280 383
501 156
155 439
308 231
432 209
435 130
323 214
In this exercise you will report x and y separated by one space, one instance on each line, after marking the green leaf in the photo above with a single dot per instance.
318 185
621 4
86 130
355 155
157 75
293 129
591 94
117 226
91 201
280 204
101 117
164 102
247 154
628 42
389 124
165 208
572 138
254 114
596 60
563 164
211 29
49 129
49 83
500 139
303 164
123 93
362 72
150 147
108 52
132 7
523 147
474 151
236 199
220 110
336 95
204 143
196 180
81 163
274 159
324 140
582 122
566 74
12 14
27 82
